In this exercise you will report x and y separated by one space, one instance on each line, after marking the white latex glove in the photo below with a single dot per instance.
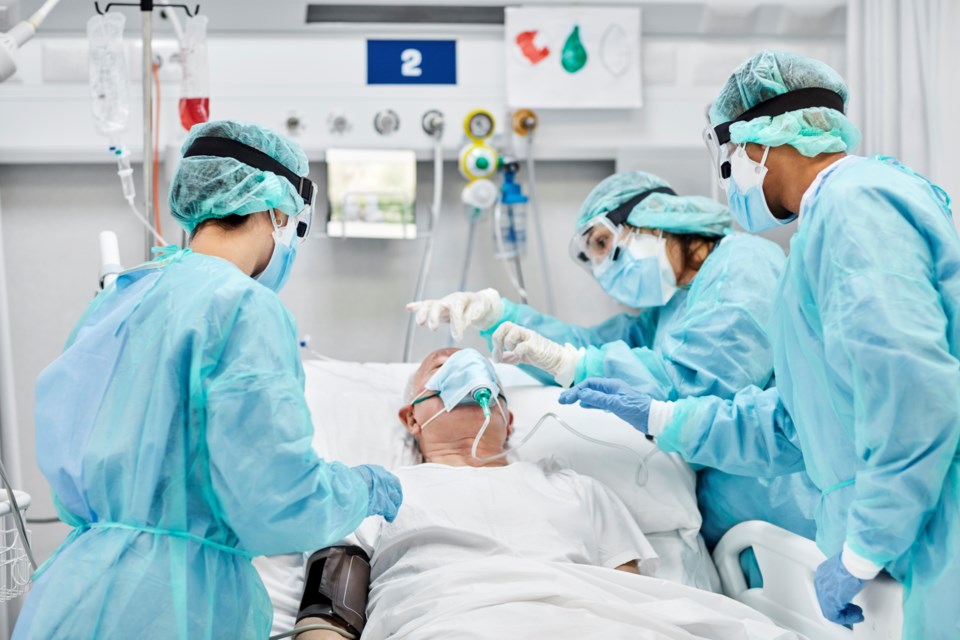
513 344
481 309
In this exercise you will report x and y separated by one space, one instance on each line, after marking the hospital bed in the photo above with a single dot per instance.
354 408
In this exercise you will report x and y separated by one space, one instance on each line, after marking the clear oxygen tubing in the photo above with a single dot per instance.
468 254
428 249
515 280
640 478
129 193
534 204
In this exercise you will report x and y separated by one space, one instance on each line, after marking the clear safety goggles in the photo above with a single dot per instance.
597 246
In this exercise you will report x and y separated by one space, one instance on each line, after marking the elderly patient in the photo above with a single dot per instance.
498 549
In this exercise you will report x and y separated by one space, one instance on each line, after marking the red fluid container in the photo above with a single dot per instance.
194 111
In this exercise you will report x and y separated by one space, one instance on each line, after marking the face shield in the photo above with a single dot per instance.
603 240
717 138
719 151
304 219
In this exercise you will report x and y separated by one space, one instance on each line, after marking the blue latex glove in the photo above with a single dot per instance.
386 494
836 587
612 395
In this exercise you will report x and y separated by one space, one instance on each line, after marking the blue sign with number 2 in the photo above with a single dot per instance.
411 62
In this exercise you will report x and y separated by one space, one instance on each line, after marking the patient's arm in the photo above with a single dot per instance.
629 567
318 634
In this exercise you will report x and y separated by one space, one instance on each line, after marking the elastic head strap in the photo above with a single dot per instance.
227 148
784 103
619 215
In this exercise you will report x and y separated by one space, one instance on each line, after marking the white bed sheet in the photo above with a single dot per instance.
354 407
507 597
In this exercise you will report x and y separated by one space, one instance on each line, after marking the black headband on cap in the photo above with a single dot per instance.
227 148
784 103
619 215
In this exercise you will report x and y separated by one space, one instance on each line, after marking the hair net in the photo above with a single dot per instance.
674 214
614 191
207 187
771 73
683 214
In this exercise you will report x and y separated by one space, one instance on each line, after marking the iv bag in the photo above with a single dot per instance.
108 73
195 90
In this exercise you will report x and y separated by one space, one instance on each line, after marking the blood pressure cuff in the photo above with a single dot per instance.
336 585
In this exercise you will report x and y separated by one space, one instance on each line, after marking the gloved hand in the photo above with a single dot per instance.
513 344
386 494
612 395
481 309
836 587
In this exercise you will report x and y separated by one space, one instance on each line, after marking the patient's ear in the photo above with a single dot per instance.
409 421
509 424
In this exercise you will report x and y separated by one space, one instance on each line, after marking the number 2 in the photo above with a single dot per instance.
411 59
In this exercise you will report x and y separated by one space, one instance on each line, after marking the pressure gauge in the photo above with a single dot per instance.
479 125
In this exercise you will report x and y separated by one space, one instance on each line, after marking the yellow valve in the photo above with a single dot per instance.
478 161
479 125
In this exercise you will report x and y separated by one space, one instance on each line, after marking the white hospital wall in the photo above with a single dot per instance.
347 295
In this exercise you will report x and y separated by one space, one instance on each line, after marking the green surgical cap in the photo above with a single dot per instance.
674 214
206 187
614 191
768 74
682 215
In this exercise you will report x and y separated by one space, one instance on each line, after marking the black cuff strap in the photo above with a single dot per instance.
619 215
784 103
336 586
227 148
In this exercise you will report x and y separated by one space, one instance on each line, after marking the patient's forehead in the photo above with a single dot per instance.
430 364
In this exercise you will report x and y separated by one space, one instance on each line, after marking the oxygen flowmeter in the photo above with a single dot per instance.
479 161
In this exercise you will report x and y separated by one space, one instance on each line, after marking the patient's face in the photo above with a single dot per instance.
450 429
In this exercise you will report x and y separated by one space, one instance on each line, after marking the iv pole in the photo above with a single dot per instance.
146 12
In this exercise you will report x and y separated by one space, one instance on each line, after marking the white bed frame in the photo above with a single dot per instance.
788 563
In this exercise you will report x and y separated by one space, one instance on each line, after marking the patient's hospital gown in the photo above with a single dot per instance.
521 552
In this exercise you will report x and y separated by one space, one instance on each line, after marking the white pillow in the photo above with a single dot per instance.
667 500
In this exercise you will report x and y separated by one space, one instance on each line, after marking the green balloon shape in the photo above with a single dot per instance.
574 56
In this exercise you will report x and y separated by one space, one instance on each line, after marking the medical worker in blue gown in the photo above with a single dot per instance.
173 429
866 336
703 296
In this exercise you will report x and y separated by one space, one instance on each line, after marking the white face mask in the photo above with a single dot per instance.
745 192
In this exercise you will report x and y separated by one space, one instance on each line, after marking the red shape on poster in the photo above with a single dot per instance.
531 51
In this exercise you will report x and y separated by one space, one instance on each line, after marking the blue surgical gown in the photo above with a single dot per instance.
711 338
175 435
867 339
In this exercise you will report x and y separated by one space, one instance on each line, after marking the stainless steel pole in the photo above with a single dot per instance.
146 11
